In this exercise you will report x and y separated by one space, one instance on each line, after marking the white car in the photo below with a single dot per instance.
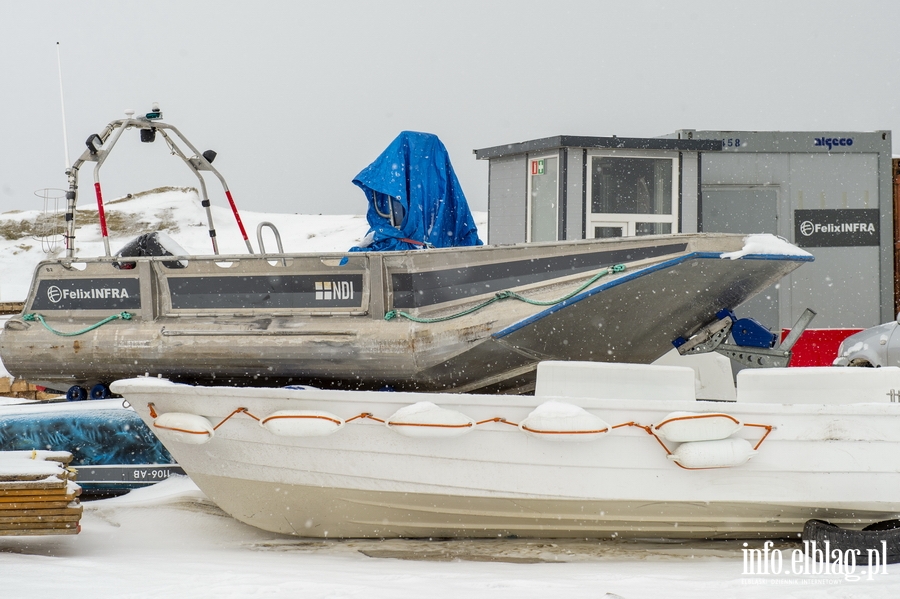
875 347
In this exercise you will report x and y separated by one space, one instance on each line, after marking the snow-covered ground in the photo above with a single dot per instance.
170 541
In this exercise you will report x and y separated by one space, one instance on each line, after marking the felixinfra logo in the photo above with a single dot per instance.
807 228
831 142
54 294
106 293
837 228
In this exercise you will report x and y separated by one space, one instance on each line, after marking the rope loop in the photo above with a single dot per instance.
649 429
37 317
506 294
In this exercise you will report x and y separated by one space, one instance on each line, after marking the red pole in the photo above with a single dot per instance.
237 217
100 211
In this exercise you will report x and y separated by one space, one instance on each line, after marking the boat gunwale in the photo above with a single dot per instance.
156 386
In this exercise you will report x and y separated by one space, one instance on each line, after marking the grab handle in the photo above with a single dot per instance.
262 246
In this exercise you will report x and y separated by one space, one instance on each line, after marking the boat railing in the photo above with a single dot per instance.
223 260
262 245
99 146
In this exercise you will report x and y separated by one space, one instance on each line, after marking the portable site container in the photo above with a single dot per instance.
828 192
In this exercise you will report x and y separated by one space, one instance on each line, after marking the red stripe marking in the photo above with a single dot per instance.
100 211
237 216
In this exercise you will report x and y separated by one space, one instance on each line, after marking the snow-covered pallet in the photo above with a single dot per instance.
38 495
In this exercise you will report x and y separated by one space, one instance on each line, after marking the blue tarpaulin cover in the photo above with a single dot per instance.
414 178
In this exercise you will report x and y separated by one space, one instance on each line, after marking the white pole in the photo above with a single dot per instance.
62 106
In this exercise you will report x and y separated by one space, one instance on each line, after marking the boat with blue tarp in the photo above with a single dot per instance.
427 307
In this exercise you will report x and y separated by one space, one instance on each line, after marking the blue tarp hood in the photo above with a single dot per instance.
414 177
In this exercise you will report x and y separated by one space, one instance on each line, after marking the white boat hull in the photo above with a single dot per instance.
835 462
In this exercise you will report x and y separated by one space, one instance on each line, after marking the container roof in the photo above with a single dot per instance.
577 141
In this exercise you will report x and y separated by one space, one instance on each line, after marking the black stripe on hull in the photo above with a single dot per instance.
418 289
266 292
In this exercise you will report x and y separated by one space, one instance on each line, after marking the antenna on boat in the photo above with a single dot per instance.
48 225
70 195
62 106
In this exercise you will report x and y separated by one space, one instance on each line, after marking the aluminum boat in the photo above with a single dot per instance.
475 318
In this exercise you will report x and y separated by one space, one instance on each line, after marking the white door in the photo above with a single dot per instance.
543 198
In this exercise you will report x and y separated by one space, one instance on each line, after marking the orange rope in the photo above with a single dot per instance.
649 431
237 411
497 419
594 432
466 425
368 415
314 416
769 428
365 415
696 416
180 430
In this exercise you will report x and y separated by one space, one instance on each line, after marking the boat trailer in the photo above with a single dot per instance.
754 345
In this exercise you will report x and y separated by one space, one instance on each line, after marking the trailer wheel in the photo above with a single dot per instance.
100 391
76 393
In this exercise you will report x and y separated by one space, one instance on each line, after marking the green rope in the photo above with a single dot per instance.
38 317
502 295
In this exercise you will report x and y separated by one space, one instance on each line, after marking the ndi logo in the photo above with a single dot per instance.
332 290
833 141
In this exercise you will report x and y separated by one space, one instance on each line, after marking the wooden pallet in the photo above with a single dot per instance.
12 307
38 494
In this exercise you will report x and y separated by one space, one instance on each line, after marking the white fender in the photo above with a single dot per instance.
424 419
301 423
681 427
723 453
184 428
559 421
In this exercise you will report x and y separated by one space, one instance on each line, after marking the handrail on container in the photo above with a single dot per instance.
262 246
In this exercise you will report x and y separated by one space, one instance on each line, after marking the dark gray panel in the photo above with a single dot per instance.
574 198
414 290
739 210
506 197
88 294
836 228
270 292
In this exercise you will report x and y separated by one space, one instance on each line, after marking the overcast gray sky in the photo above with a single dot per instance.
297 97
